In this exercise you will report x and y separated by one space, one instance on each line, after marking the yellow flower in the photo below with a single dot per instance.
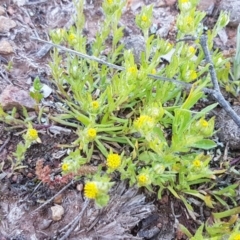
193 75
144 120
203 123
191 50
32 134
235 236
95 104
92 133
142 179
154 71
183 1
71 37
197 163
110 1
65 166
132 70
91 190
144 18
113 161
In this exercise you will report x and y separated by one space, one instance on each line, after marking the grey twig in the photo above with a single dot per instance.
177 82
216 93
5 143
52 198
72 225
80 54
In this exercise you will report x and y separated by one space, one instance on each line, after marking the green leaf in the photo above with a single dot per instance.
199 234
181 121
174 193
185 231
227 213
204 144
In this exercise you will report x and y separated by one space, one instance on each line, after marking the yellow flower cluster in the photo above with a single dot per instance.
193 75
144 120
235 236
183 1
142 179
95 104
32 134
197 163
92 133
144 18
113 161
65 166
191 50
71 37
91 190
109 1
153 71
203 123
132 70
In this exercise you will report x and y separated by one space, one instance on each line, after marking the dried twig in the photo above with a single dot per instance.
72 225
177 82
216 93
52 198
5 143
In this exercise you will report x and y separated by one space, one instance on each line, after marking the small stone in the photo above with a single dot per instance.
6 24
170 2
5 47
207 6
166 3
45 224
233 7
2 10
58 199
20 3
14 97
80 187
57 212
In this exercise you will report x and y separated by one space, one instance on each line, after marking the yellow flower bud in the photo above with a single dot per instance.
91 190
113 161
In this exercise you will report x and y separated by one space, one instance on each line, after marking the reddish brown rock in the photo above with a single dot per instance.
166 3
207 6
170 2
6 24
5 47
14 97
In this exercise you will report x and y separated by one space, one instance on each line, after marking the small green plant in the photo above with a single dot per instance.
217 229
30 137
146 130
134 111
36 93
